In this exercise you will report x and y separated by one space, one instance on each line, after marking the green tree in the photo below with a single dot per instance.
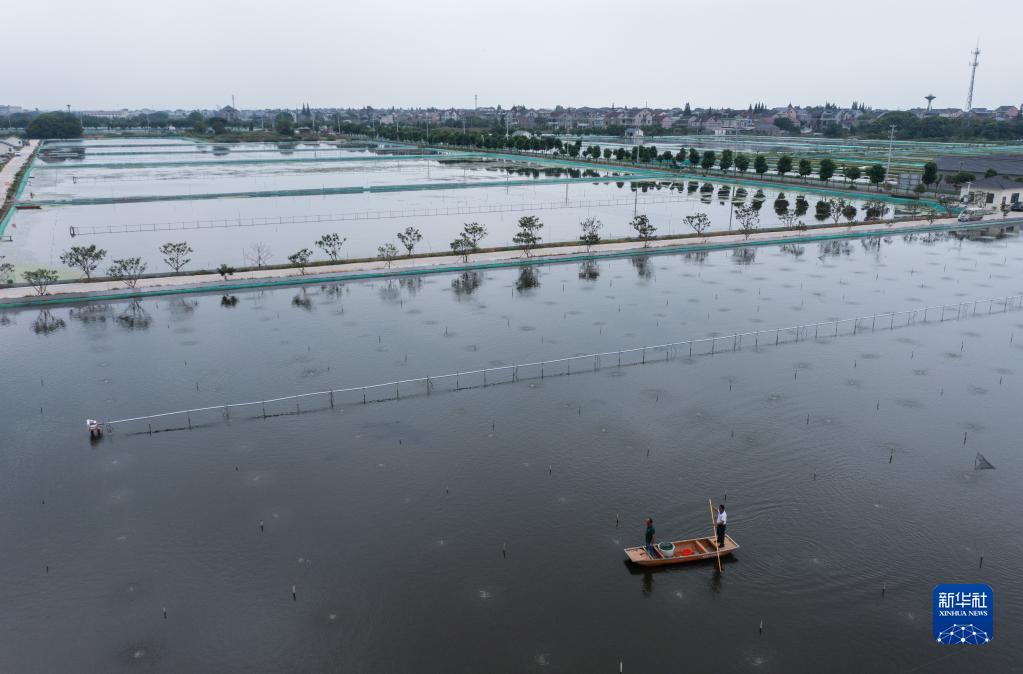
218 124
468 241
225 271
410 238
827 169
331 244
727 159
784 164
199 126
86 258
694 156
128 269
607 153
6 271
708 160
283 123
742 162
786 124
760 164
644 230
851 172
54 125
300 259
930 174
962 178
175 255
591 232
698 222
876 173
387 253
805 168
835 208
748 219
527 237
40 279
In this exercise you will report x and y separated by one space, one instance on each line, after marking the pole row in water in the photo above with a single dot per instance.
800 332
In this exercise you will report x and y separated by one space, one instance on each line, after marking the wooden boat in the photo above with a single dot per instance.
688 550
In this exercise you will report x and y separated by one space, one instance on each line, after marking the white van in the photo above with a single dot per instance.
973 214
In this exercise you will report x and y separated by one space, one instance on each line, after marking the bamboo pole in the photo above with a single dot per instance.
713 528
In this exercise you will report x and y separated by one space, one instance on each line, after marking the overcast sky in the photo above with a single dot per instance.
109 54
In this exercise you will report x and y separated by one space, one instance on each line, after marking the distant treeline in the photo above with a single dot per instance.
910 127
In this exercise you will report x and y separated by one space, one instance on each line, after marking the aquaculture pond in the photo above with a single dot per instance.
223 207
482 529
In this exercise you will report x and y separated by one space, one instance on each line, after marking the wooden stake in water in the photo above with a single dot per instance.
717 550
294 595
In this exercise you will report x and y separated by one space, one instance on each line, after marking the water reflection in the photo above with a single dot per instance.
92 313
802 205
794 250
229 300
183 307
874 210
46 323
411 284
834 248
589 270
697 256
390 291
135 317
643 266
529 278
334 290
744 255
302 301
466 283
781 204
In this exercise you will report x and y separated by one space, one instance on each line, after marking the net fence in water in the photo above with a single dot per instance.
569 365
366 215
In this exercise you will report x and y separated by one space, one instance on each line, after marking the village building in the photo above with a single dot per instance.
995 192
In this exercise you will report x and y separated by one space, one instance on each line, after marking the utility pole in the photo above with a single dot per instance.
973 76
891 142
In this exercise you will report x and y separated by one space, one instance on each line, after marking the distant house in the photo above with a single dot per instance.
1006 112
644 117
229 113
632 133
521 134
993 192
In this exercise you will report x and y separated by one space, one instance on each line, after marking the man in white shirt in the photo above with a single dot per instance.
722 521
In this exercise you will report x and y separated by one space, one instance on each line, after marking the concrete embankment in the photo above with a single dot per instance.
103 290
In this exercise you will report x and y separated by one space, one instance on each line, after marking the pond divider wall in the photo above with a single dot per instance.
592 362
